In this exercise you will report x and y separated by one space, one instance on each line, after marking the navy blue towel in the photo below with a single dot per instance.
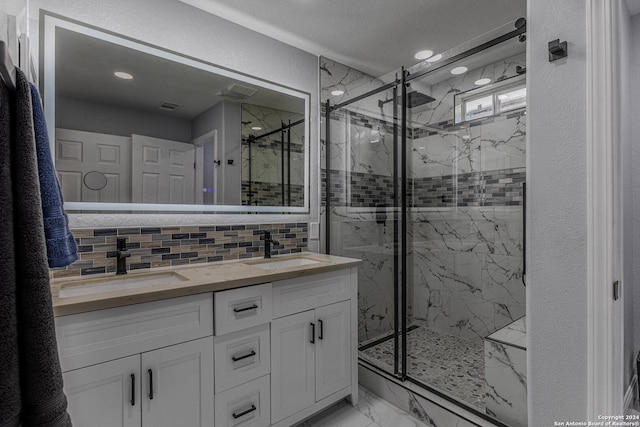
61 245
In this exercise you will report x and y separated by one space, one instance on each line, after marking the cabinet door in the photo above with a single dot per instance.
333 348
292 365
107 393
177 385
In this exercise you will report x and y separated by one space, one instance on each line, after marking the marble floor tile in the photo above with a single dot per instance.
372 411
339 415
384 413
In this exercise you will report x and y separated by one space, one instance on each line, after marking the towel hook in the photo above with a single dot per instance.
7 69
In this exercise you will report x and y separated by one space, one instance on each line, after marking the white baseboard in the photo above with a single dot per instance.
631 394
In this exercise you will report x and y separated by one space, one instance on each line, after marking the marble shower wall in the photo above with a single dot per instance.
465 229
266 155
467 269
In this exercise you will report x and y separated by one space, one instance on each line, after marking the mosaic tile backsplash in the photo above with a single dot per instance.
170 246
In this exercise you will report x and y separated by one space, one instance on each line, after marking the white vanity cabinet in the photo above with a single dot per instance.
313 355
147 364
167 387
269 354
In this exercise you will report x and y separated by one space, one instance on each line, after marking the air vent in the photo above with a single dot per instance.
242 90
168 106
237 91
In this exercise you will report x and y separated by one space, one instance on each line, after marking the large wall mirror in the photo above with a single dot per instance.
139 128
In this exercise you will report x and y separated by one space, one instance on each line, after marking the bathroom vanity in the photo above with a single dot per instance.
243 343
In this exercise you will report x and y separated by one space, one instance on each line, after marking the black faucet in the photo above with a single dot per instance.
267 244
121 255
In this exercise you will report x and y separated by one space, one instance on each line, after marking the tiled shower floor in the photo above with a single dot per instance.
447 363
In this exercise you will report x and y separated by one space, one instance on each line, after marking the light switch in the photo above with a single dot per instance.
314 230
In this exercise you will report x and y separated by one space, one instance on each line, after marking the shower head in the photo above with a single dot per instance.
416 99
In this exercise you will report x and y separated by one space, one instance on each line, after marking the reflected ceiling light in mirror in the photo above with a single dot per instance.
123 75
435 58
459 70
337 92
424 54
256 128
503 96
482 82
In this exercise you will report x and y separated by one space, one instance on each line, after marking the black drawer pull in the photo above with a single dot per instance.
240 310
321 336
313 333
235 359
150 384
133 389
243 413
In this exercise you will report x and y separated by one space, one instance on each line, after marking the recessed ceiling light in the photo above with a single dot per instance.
435 58
482 82
459 70
424 54
256 128
337 92
122 75
466 137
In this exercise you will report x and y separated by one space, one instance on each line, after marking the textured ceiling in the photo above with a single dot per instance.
375 36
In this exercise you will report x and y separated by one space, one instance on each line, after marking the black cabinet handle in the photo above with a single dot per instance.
313 333
321 336
235 359
133 389
243 413
240 310
150 384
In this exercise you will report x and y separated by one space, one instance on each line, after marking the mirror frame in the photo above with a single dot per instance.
49 23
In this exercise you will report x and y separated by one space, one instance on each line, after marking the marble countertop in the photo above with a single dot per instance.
198 279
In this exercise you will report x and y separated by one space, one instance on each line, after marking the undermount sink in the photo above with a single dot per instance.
283 263
118 283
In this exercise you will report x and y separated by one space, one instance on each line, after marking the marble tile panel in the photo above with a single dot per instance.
437 412
506 383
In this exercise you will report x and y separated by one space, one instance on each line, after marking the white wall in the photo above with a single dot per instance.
91 116
176 26
557 214
634 90
626 52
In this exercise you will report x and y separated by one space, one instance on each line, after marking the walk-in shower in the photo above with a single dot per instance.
424 176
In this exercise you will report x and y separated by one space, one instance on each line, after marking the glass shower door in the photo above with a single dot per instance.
363 209
465 221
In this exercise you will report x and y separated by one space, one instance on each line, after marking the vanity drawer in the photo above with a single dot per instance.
242 308
247 405
89 338
305 293
241 356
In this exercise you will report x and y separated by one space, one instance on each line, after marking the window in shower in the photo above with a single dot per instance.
504 95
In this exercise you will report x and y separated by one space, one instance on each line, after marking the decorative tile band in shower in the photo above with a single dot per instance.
169 246
487 188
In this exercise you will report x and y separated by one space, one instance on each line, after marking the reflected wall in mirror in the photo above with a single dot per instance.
166 132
